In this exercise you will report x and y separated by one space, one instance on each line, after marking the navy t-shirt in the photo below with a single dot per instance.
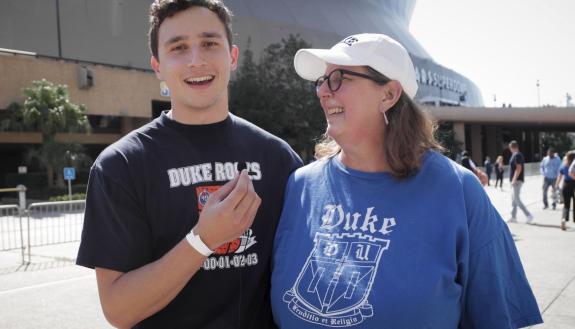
145 194
366 250
517 158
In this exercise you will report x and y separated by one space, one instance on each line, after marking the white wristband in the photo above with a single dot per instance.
196 242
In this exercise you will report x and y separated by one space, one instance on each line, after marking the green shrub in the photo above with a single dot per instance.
46 192
66 197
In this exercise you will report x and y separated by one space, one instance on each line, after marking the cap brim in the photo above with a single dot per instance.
310 64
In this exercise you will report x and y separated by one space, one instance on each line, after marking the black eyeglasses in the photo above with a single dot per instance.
335 77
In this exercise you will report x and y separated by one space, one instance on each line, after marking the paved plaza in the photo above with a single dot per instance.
52 292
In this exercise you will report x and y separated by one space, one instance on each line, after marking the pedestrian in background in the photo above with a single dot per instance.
467 163
499 171
566 184
549 168
488 168
517 177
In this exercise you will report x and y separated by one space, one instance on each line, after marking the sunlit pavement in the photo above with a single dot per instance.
54 293
547 252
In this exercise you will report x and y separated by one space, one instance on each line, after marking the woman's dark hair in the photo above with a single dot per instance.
569 157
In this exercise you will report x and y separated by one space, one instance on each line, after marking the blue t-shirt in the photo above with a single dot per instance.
366 250
564 170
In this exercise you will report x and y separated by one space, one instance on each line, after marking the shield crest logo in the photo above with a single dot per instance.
334 285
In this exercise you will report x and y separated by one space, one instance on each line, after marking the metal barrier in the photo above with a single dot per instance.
21 189
531 169
11 229
42 224
54 222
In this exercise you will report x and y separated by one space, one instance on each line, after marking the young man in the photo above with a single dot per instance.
549 168
165 255
517 177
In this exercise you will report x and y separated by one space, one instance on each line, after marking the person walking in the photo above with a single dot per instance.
517 178
467 163
549 169
566 184
499 171
383 231
488 168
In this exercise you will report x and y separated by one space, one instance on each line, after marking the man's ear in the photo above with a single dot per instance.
390 95
156 67
234 53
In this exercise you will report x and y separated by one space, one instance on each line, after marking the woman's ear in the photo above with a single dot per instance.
391 94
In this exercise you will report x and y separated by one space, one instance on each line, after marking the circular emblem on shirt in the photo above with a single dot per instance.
203 197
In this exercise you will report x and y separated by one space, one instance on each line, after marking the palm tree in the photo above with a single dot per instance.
47 109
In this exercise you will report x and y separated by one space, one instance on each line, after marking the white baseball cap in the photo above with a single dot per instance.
378 51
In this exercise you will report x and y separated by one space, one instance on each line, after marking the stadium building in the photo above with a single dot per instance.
99 49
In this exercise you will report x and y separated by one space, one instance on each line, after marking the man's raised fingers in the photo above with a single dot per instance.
244 205
224 190
250 215
236 195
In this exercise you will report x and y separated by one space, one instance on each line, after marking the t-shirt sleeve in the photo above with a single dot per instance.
496 292
572 167
520 159
116 234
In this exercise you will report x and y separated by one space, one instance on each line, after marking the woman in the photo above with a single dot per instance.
499 171
567 186
383 231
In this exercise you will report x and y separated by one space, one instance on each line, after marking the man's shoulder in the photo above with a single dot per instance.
556 159
516 156
252 131
128 146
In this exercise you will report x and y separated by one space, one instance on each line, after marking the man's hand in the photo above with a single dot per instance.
482 176
229 212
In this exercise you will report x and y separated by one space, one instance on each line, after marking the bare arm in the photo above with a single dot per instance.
571 171
558 181
128 298
481 175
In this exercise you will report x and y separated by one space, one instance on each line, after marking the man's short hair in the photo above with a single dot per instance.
162 9
513 144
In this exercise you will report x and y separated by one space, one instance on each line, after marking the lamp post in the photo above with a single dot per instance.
538 96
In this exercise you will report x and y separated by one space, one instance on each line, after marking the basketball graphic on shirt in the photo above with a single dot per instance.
228 248
238 245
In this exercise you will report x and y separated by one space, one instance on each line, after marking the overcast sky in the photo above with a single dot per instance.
504 46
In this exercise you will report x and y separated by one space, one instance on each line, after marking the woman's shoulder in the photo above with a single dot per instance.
441 167
311 170
434 161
